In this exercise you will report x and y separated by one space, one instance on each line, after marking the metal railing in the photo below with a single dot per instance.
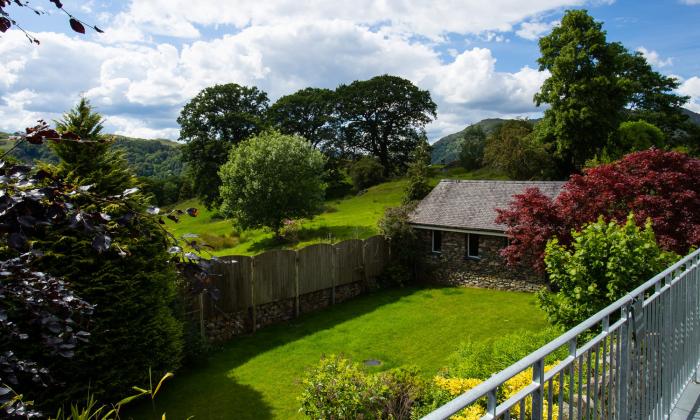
632 360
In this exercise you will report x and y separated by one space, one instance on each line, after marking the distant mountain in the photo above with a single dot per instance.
692 116
156 158
446 150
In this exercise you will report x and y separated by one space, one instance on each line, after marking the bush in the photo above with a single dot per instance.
366 172
513 149
482 359
604 262
418 185
338 389
405 246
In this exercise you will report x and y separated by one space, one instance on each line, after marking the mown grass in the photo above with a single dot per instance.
257 376
352 217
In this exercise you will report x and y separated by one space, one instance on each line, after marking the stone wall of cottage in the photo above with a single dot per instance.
452 267
223 326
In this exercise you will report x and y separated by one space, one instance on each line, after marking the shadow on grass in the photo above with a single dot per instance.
211 391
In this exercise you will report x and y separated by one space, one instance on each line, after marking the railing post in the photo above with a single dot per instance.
622 398
537 395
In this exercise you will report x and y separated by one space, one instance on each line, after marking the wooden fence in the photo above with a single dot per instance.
247 283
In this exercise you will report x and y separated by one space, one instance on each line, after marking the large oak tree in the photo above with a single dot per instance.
384 116
214 120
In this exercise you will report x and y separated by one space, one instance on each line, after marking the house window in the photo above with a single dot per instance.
437 241
472 245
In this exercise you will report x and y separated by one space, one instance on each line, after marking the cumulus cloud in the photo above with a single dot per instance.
691 87
535 29
427 18
654 58
140 79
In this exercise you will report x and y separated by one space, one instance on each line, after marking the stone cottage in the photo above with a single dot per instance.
456 224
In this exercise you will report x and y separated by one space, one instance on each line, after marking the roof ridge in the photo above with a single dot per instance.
500 181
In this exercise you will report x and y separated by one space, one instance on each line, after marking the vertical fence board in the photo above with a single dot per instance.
350 267
315 268
376 256
274 276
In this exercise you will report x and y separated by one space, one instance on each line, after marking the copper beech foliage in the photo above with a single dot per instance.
654 184
40 317
7 22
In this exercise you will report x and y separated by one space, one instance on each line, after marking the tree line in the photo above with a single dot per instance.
603 102
383 117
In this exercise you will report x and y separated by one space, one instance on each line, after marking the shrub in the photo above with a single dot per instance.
405 246
513 150
338 389
418 185
604 262
403 387
366 172
657 185
482 359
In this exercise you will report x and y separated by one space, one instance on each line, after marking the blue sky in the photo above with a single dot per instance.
478 59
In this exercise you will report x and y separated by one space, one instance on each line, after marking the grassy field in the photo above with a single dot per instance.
256 377
348 218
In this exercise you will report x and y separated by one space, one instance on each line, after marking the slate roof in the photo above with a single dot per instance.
470 205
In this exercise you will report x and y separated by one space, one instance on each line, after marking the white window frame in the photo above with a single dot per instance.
432 242
469 251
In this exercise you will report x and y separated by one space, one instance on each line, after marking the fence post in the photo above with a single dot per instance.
252 291
364 265
334 272
296 284
202 332
537 395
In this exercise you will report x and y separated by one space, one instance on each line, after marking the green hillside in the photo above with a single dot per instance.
156 158
446 150
347 218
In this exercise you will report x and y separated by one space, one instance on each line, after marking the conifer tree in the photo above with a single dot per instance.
92 160
418 186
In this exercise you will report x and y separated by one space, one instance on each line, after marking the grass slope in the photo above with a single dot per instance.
257 377
348 218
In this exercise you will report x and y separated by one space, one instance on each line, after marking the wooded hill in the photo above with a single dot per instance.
157 158
446 150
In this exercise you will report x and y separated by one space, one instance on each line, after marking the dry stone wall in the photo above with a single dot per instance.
452 267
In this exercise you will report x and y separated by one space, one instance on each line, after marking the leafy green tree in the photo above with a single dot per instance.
604 262
471 155
384 116
366 172
592 85
418 174
93 162
309 113
631 136
217 118
511 148
272 177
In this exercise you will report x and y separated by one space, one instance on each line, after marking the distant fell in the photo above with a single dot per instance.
446 150
157 158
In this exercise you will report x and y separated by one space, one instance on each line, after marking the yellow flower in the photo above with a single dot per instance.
473 412
456 386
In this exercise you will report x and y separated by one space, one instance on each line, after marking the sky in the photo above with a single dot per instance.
477 58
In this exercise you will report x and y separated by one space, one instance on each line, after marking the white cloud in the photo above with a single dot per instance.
690 2
535 29
140 85
423 17
691 87
654 58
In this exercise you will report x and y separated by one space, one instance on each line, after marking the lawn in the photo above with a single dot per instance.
256 377
353 217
